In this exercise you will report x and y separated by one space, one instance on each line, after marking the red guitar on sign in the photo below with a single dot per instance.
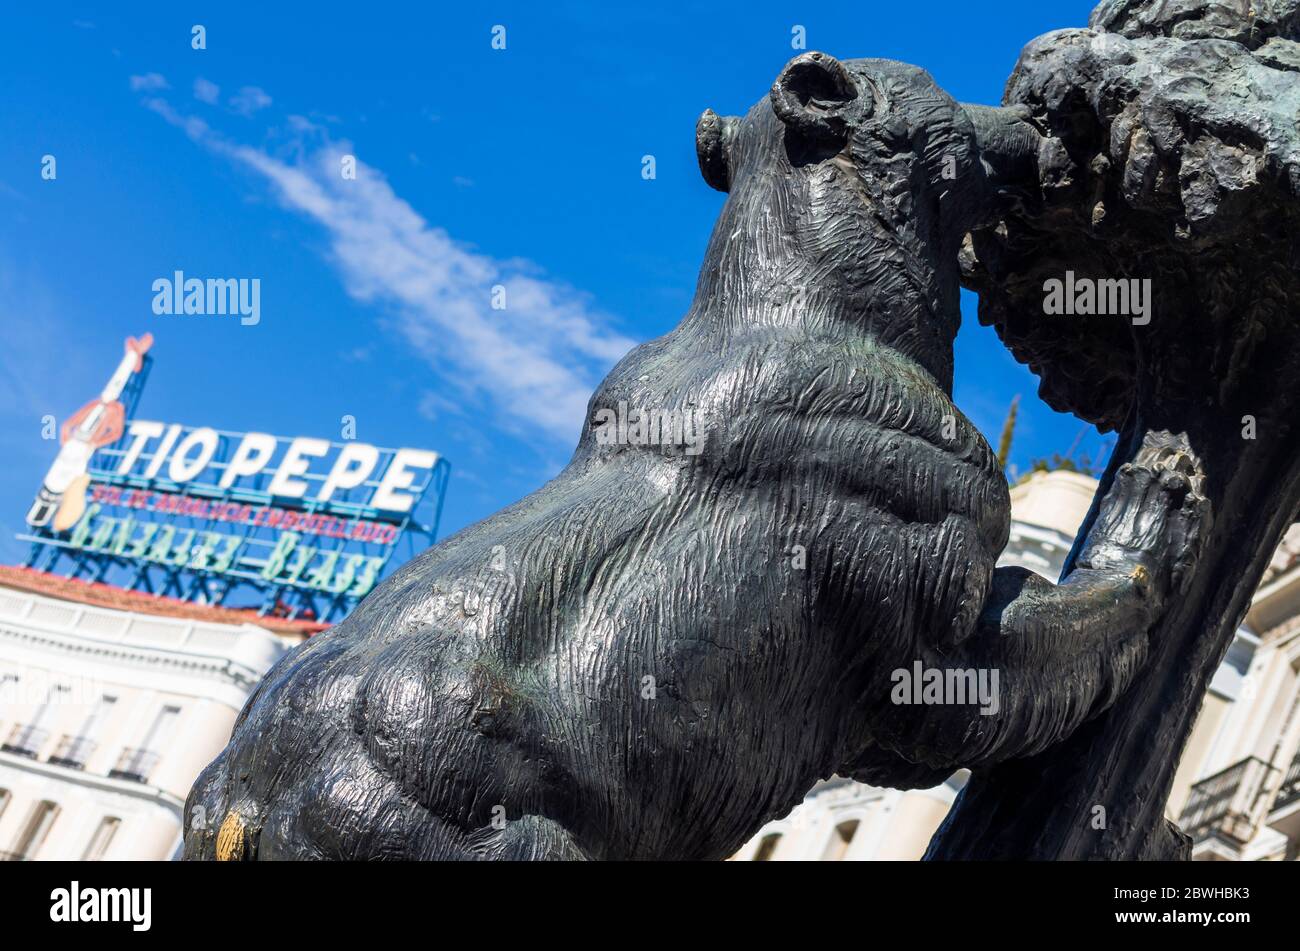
62 497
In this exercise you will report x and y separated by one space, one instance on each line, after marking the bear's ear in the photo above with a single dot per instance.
713 134
816 97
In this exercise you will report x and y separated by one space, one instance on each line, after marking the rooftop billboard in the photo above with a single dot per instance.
300 526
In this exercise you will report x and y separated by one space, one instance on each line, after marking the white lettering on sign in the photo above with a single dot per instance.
184 469
294 464
186 455
254 452
160 454
141 433
399 476
354 464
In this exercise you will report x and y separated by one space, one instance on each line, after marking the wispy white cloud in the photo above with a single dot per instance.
249 99
149 82
535 362
206 91
302 125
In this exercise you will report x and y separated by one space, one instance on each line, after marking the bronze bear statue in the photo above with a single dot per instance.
669 643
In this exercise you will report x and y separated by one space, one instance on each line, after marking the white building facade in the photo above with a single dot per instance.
107 716
1237 792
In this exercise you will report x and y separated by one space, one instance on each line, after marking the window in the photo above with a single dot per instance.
95 718
10 695
100 841
75 748
766 846
34 833
28 739
841 838
137 763
49 707
4 800
161 730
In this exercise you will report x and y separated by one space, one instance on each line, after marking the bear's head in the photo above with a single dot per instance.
882 117
856 182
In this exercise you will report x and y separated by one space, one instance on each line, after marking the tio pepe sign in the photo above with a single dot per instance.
213 510
182 457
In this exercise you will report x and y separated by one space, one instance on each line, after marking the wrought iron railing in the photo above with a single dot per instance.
1289 791
1229 802
73 751
135 765
25 739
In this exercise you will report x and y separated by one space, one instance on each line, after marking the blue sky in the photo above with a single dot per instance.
476 167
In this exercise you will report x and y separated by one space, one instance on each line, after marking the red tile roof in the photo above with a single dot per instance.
110 596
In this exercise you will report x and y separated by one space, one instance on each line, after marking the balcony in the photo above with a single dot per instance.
73 751
1230 804
25 740
1285 814
1289 791
135 765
